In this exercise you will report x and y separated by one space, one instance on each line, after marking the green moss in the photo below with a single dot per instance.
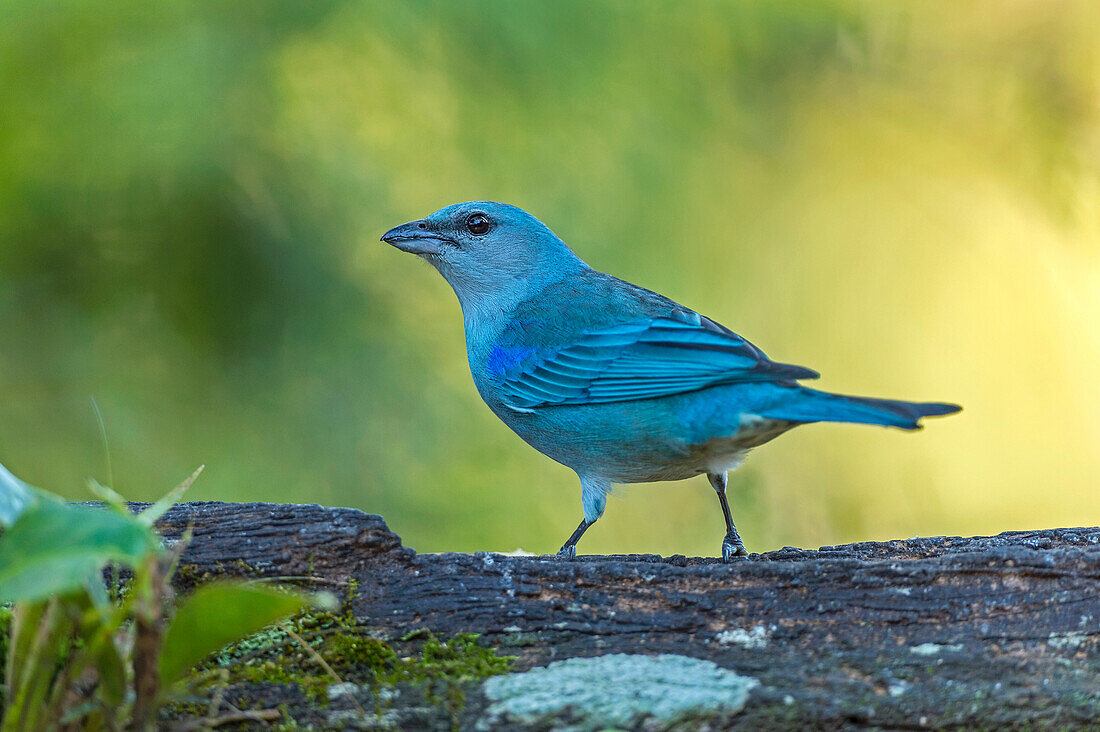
189 576
347 653
274 655
271 672
183 709
460 658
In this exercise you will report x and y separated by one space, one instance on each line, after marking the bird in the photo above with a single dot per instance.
617 382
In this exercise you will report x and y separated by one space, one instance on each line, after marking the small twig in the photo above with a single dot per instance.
306 578
253 715
324 664
244 658
216 698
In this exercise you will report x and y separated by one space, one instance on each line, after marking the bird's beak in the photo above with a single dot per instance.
414 237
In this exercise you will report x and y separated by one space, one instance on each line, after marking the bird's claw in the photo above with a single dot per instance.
732 547
567 552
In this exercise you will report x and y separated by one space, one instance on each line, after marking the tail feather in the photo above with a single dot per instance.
810 405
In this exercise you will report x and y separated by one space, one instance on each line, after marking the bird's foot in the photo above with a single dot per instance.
567 552
732 546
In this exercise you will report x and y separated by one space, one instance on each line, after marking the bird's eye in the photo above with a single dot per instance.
478 224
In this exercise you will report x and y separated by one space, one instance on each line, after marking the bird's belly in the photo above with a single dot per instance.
643 441
715 455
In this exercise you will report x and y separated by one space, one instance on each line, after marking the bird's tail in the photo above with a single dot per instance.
811 405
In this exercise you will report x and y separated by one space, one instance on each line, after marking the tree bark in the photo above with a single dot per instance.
941 632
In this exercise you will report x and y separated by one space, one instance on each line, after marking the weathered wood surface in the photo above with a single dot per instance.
985 632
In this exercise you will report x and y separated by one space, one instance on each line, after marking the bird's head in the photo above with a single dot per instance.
492 254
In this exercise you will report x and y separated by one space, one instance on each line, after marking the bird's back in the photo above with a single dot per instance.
587 301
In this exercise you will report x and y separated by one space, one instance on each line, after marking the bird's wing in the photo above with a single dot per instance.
644 359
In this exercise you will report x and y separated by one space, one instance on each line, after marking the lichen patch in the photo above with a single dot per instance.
756 637
931 649
617 690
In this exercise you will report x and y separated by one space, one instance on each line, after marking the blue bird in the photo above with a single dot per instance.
612 380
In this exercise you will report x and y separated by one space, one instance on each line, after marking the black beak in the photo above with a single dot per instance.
414 237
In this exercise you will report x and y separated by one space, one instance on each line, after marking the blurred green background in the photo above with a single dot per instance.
905 197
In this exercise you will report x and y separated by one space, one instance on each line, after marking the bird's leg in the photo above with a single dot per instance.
569 549
732 545
594 492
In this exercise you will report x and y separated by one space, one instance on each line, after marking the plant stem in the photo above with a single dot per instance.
323 664
148 581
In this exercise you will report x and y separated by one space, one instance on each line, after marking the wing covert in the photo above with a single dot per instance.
642 360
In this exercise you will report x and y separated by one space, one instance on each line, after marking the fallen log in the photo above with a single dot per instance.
943 632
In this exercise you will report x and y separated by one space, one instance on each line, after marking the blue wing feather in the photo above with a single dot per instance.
641 360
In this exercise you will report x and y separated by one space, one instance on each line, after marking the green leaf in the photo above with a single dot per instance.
16 497
27 709
150 515
24 625
56 547
108 495
216 615
112 674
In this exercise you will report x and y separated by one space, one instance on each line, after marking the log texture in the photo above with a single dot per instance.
945 632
